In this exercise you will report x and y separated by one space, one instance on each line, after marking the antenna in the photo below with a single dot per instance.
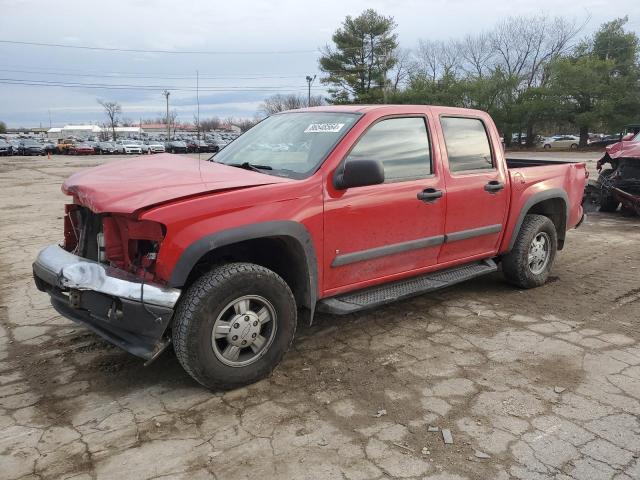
198 116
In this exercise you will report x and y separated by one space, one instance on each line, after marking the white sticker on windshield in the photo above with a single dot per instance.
324 127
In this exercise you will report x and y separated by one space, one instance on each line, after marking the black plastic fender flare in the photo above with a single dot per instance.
554 193
284 228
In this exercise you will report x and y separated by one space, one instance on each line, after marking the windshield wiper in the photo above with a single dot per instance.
250 166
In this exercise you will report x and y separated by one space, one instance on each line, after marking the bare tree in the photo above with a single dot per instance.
113 111
477 53
280 103
524 44
401 70
208 124
436 59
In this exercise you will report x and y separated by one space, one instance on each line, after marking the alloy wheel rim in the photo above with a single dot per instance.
539 252
244 330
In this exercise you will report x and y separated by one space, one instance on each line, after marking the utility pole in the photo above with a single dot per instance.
310 80
198 101
166 94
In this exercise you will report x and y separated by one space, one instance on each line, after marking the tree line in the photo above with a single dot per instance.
532 74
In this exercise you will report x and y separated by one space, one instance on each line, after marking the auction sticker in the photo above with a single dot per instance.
324 127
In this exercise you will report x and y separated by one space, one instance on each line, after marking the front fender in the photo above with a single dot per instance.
282 228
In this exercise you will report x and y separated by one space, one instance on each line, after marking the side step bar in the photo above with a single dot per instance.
390 292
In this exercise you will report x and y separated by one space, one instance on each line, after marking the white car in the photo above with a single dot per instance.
154 146
561 141
129 146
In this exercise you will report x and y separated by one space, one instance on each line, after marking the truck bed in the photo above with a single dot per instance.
534 162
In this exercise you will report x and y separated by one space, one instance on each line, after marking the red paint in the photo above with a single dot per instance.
192 199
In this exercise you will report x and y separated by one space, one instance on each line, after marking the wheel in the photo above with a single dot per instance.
234 325
574 146
607 202
547 147
529 262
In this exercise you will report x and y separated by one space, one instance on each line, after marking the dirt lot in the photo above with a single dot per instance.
532 384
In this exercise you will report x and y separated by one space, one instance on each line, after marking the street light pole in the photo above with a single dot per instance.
166 93
310 80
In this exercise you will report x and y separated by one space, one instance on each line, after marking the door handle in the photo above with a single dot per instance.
429 194
494 186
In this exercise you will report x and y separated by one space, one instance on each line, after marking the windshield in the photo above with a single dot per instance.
289 144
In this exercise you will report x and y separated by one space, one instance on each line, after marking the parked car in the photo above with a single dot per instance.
214 146
49 147
217 258
606 140
561 141
64 144
30 147
199 146
154 146
128 146
5 148
107 148
81 149
176 146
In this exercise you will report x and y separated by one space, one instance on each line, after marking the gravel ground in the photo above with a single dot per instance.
533 384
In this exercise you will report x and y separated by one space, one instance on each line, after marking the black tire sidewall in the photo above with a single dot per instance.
516 264
204 364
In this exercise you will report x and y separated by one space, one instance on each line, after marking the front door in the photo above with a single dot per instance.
376 232
477 197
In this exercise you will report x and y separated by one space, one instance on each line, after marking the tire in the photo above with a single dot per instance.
574 146
607 202
210 300
516 266
547 147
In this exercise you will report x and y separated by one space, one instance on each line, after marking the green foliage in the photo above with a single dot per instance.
3 127
527 73
357 66
598 86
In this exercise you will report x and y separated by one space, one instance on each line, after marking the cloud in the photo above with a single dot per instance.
239 26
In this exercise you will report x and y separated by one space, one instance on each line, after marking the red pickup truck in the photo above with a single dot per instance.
332 209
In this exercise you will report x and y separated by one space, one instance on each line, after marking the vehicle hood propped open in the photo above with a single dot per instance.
129 185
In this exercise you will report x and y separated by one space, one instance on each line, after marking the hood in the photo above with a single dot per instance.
125 186
624 149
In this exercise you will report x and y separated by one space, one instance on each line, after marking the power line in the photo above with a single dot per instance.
170 52
146 76
47 83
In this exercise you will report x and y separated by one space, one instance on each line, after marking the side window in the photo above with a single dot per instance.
401 144
467 144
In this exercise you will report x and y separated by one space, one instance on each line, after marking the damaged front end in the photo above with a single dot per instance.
619 181
104 278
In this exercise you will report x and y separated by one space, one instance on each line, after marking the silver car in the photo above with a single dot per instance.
154 146
561 141
129 146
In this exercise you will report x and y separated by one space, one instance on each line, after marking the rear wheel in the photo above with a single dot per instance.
529 262
574 146
234 325
547 147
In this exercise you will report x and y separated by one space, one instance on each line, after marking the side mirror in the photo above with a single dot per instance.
358 173
628 136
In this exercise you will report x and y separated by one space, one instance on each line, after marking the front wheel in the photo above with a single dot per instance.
234 325
529 262
547 147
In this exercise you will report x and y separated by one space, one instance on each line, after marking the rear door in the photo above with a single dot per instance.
376 232
477 193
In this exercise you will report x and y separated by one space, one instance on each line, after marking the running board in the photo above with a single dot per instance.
390 292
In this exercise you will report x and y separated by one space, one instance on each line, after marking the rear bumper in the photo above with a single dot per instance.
107 300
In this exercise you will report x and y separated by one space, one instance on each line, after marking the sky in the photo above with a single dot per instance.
253 49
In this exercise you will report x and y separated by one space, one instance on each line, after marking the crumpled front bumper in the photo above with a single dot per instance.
115 304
